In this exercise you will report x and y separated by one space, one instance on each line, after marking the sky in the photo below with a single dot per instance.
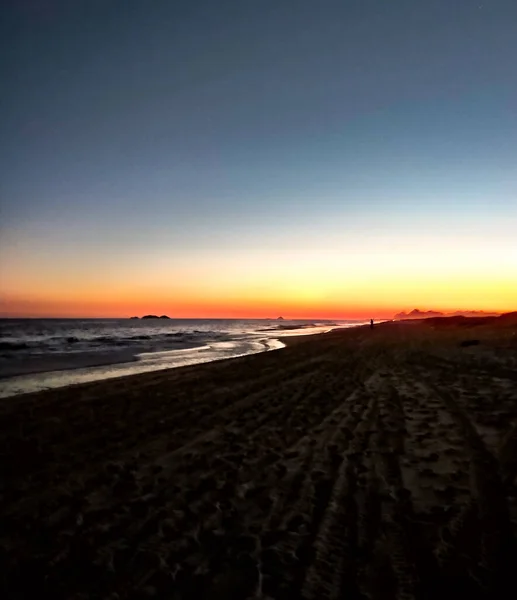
245 158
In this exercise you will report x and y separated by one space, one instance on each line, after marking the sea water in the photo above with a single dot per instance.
37 354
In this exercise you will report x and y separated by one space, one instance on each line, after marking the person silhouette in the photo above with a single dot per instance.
371 323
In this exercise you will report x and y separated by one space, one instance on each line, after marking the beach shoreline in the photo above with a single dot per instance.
55 371
198 480
124 364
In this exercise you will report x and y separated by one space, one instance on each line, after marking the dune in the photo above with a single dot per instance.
508 318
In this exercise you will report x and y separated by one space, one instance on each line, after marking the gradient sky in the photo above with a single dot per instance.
241 158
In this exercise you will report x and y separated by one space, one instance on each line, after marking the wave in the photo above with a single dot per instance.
291 327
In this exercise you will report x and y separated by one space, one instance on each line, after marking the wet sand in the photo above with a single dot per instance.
355 464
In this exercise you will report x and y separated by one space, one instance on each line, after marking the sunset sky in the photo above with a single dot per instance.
331 158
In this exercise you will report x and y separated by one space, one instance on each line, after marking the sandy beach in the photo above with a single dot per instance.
354 464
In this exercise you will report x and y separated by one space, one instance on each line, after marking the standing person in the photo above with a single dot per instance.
371 323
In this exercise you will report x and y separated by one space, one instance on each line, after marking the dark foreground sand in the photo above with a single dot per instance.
357 464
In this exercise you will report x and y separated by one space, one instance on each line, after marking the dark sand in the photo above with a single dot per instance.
355 464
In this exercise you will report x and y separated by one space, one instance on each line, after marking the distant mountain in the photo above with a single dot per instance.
427 314
155 317
418 314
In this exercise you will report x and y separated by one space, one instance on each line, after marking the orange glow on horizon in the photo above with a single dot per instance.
242 306
354 281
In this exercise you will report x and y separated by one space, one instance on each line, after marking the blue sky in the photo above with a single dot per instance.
176 127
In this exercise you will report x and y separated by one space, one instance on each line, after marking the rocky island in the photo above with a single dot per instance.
155 317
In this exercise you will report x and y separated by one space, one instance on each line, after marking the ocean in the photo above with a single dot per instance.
38 354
